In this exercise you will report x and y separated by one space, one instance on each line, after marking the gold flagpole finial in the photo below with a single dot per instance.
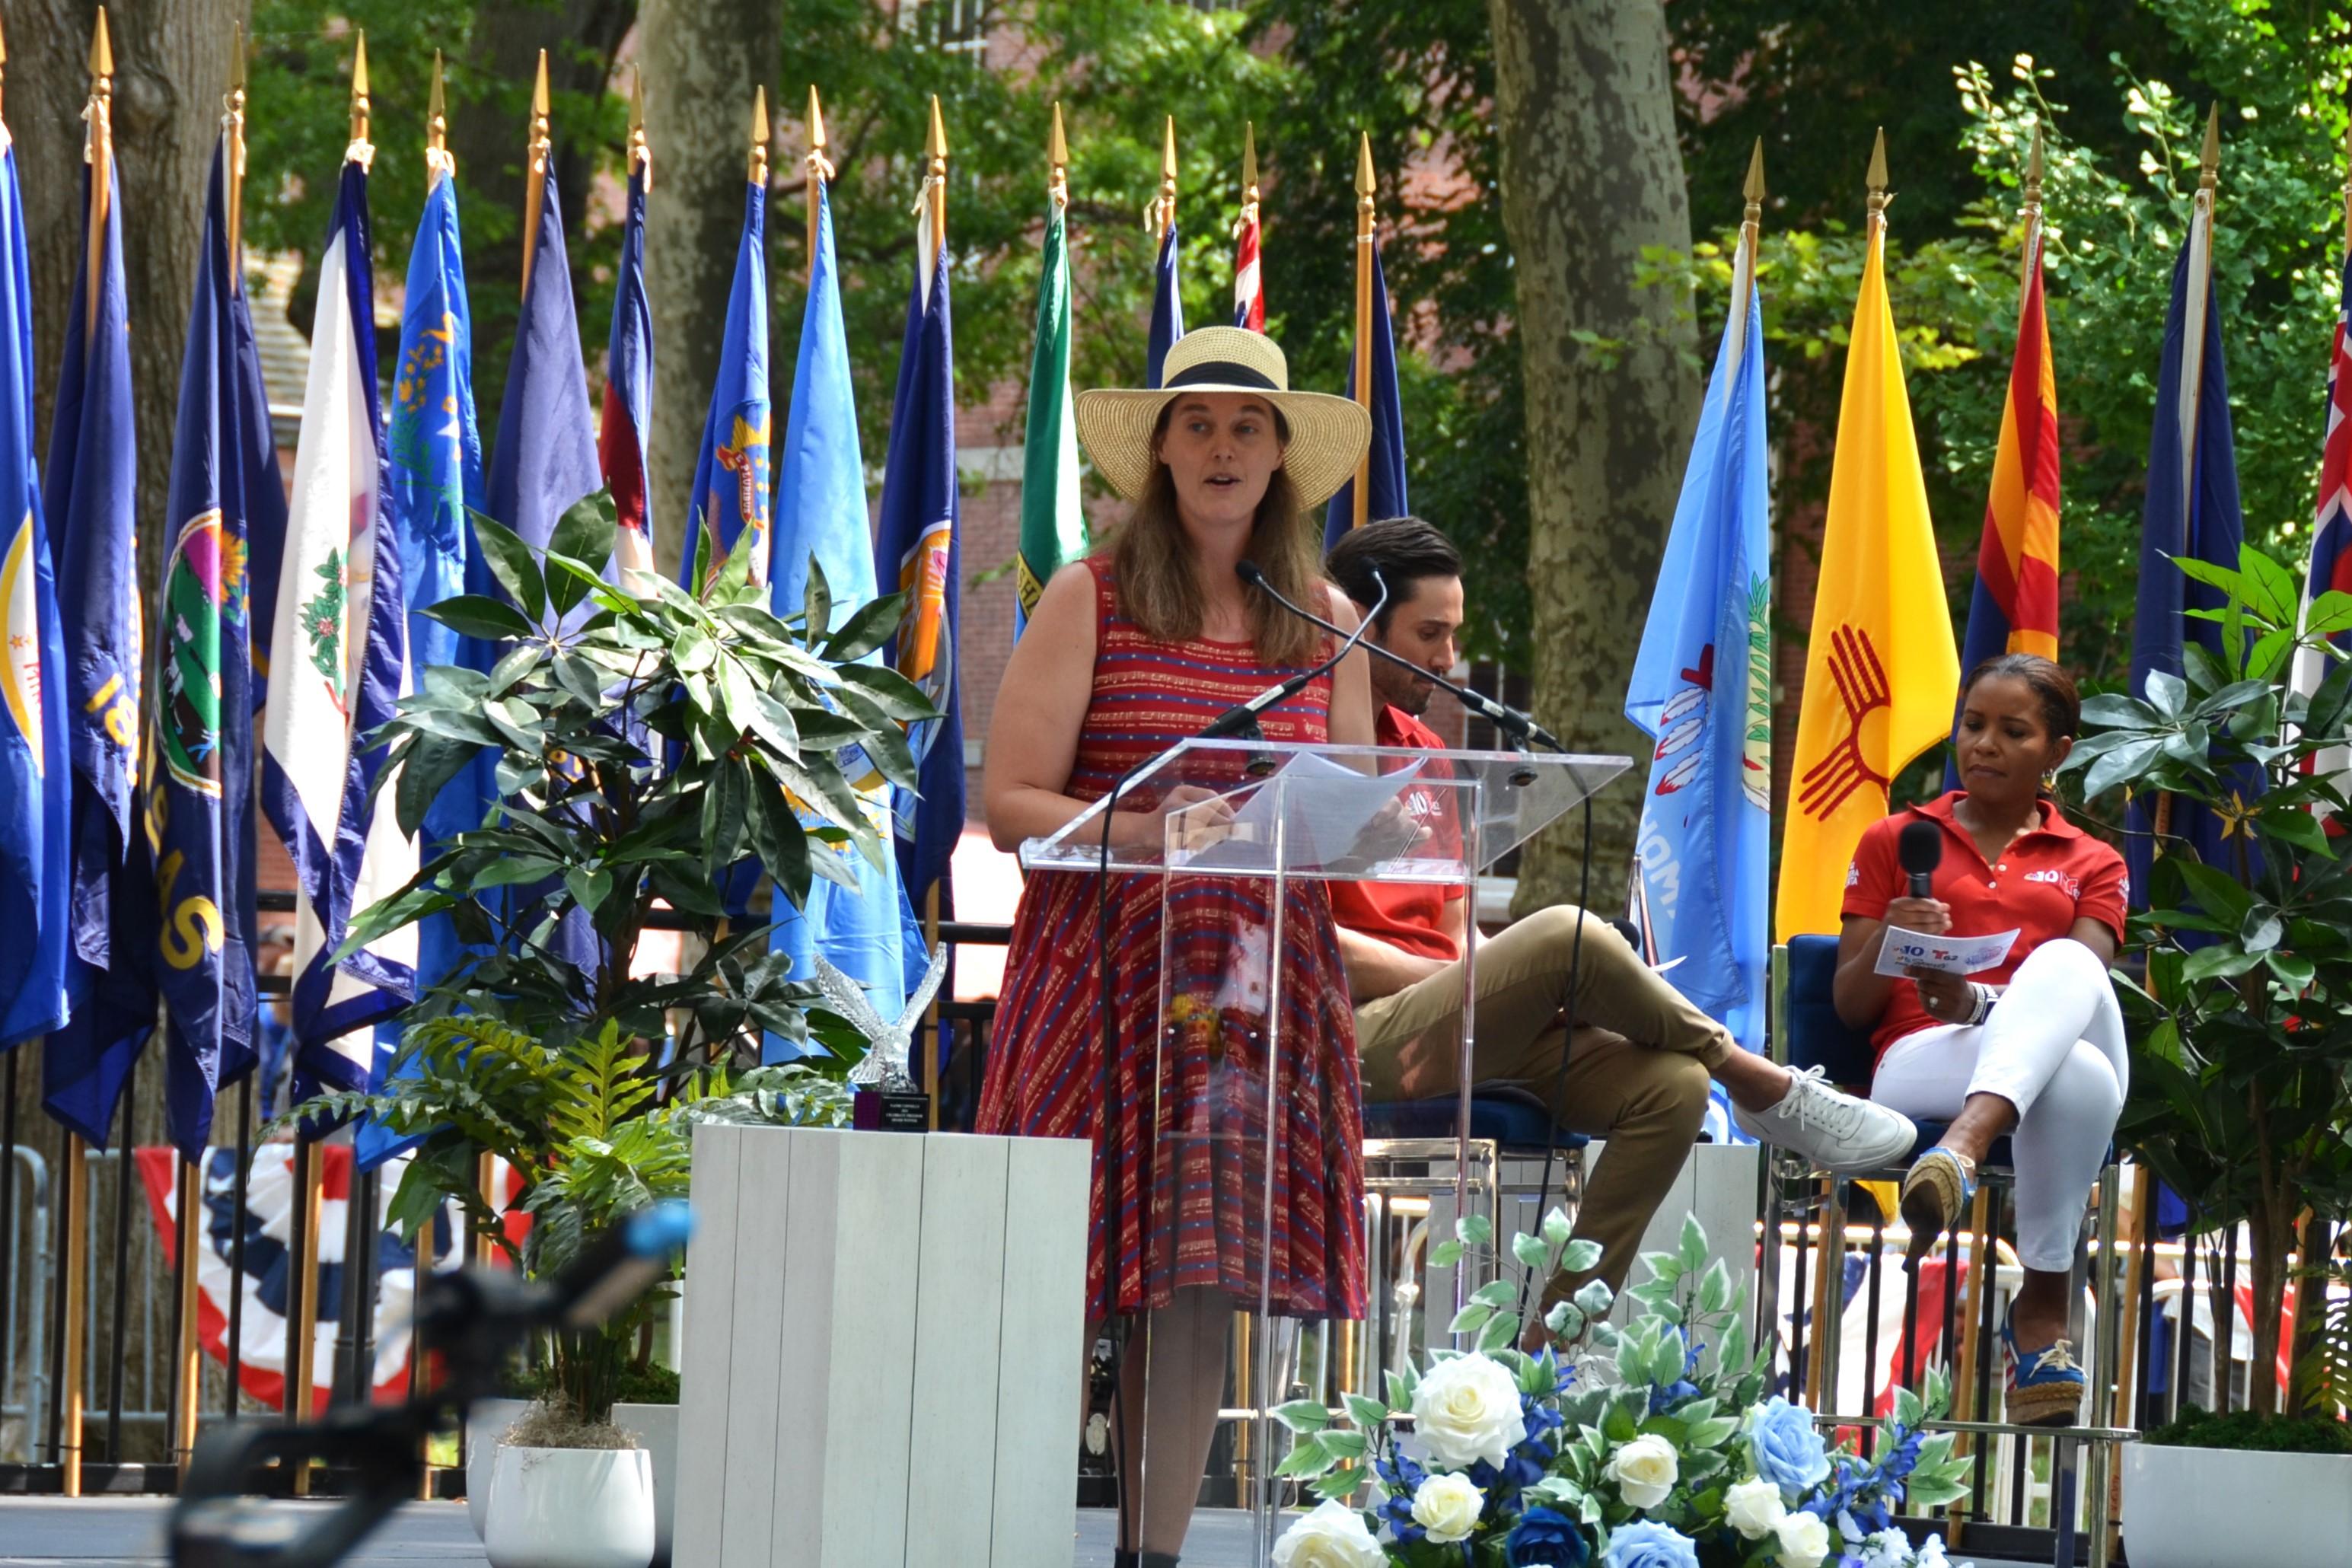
2033 169
534 190
1366 186
935 151
1753 188
817 169
4 60
98 150
2209 169
437 158
233 126
1249 163
756 169
360 150
1876 178
1057 160
640 158
1162 212
1367 217
102 51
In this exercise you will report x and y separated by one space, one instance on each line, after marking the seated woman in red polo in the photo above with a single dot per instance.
2031 1050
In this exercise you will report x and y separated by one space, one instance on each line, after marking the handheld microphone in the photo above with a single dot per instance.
1920 849
1509 720
1242 718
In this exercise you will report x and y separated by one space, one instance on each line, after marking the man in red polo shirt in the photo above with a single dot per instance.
1639 1064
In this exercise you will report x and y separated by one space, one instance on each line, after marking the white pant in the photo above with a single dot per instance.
2053 1047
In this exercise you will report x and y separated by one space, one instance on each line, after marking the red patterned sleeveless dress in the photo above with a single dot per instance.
1195 1157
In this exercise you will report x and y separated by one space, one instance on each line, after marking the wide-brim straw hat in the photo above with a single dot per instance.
1328 435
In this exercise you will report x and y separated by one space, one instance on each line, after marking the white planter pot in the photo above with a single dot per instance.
571 1508
657 1430
2193 1508
486 1423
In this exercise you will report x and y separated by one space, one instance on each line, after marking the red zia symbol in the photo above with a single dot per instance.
1861 686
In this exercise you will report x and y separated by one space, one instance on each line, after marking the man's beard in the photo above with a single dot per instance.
1407 695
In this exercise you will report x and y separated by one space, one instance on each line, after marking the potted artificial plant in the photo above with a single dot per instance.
642 749
2241 1036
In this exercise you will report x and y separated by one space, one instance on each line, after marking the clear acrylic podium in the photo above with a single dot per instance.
1240 1111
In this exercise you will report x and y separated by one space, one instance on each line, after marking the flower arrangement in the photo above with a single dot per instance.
1631 1450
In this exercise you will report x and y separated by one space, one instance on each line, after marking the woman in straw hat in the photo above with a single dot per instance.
1130 651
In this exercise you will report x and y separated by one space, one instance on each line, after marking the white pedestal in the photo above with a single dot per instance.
884 1343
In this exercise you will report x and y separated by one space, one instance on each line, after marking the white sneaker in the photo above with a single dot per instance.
1838 1131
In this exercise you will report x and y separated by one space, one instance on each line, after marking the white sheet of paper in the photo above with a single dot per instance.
1903 951
1331 813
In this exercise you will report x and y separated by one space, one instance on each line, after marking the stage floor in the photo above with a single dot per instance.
49 1533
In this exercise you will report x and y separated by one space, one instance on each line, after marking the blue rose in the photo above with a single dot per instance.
1649 1544
1546 1539
1787 1448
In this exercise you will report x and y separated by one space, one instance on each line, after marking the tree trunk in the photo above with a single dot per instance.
703 59
171 67
1590 175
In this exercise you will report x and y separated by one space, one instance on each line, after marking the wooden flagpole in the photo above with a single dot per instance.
98 150
935 150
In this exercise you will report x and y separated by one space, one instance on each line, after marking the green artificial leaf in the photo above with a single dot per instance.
2327 615
890 692
2262 928
1557 1227
1471 1319
1691 1247
2118 711
511 561
586 530
2221 959
1529 1250
868 628
2119 765
1308 1457
2297 827
1715 1286
1344 1445
1501 1330
2166 693
479 615
816 602
1303 1415
1368 1414
2270 589
1446 1254
1400 1387
2294 971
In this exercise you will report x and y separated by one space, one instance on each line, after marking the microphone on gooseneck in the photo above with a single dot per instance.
1510 721
1241 719
1920 849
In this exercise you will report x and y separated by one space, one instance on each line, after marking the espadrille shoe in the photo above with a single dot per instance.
1935 1189
2045 1386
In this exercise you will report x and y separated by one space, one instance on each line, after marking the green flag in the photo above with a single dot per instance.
1053 525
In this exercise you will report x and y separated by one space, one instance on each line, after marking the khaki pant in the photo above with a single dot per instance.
1637 1072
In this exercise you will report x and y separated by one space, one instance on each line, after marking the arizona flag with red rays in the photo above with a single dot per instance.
2015 609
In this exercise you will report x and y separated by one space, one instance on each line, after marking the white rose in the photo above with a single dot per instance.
1468 1409
1804 1540
1333 1536
1644 1470
1754 1508
1448 1506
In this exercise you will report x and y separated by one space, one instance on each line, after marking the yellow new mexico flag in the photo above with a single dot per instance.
1880 670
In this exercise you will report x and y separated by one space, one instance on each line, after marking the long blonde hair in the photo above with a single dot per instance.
1151 557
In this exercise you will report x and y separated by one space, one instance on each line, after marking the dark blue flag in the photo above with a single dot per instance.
200 783
1385 492
544 458
2191 510
919 549
92 468
1167 310
35 776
